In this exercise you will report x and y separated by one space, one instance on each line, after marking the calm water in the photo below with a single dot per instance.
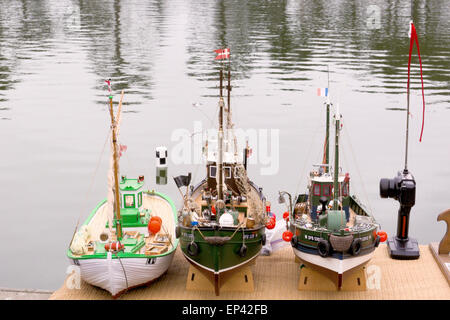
55 56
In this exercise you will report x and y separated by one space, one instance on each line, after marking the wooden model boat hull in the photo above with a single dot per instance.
118 276
218 258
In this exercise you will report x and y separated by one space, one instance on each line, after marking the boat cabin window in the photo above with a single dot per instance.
140 199
345 190
326 190
316 190
129 200
212 171
227 172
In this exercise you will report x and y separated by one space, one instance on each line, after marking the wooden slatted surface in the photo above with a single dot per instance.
276 277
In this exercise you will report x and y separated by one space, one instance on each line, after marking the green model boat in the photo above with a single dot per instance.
329 229
128 240
222 221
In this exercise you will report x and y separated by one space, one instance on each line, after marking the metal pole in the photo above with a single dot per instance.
336 162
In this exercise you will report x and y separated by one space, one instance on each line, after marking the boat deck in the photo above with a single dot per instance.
154 244
349 224
397 279
197 196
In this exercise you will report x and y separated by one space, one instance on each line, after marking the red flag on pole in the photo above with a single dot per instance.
108 82
413 35
222 54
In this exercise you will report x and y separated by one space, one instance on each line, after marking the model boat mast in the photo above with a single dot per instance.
114 125
220 146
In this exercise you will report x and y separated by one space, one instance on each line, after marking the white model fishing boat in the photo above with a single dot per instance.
129 239
329 229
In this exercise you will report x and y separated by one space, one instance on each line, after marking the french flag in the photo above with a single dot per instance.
322 92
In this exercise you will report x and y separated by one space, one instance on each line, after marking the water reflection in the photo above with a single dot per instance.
287 39
122 42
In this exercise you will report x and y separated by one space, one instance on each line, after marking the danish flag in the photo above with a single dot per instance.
222 54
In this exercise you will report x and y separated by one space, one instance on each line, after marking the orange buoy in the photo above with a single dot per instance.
154 226
213 210
383 236
114 246
287 236
156 218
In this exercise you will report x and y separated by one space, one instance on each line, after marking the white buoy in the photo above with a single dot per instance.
226 220
161 165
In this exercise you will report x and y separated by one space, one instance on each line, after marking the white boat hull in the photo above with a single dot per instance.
115 277
337 266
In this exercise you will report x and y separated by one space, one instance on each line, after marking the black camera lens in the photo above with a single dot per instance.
388 188
384 188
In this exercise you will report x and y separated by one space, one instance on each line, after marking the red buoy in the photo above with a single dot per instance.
383 236
213 210
156 218
154 226
286 215
271 223
287 236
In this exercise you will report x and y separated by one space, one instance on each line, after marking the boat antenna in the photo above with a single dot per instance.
405 170
412 34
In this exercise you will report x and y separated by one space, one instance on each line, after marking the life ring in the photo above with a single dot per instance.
355 248
323 247
287 236
177 232
192 249
263 239
377 242
243 251
114 246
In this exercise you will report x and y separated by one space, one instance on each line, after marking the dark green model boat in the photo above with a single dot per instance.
222 221
329 229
